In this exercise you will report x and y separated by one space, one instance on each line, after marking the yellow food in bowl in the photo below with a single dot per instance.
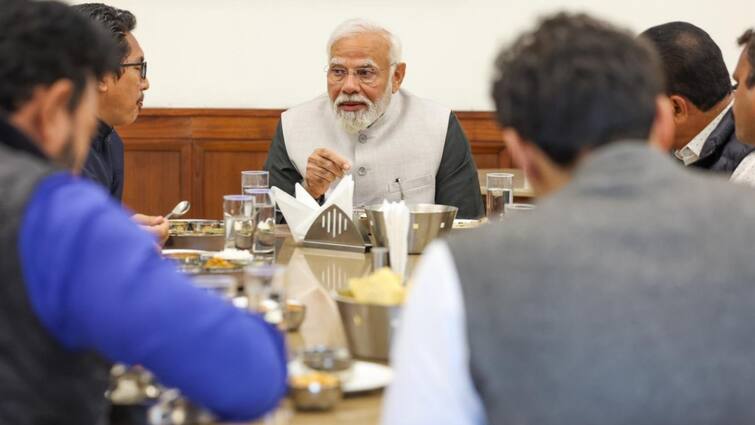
324 379
382 287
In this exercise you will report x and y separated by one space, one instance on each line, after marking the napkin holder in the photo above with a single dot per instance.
334 229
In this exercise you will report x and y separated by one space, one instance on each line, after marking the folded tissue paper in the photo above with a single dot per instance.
301 211
396 216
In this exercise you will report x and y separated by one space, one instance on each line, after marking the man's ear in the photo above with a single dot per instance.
55 115
103 85
662 132
680 108
515 145
398 77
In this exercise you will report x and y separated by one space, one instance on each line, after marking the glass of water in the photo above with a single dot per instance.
254 180
517 209
264 210
265 289
238 213
500 192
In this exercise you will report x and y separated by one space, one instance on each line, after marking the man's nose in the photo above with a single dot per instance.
351 84
145 84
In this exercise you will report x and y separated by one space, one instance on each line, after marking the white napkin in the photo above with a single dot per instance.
301 212
396 216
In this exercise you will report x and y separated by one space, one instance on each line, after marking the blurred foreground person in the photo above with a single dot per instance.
82 285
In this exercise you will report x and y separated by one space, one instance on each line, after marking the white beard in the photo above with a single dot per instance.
356 121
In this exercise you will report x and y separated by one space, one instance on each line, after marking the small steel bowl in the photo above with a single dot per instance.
315 394
327 359
295 313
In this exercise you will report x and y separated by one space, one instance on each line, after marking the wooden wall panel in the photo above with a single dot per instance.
198 154
256 128
157 175
219 165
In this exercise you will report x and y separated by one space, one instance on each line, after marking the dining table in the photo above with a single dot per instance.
313 276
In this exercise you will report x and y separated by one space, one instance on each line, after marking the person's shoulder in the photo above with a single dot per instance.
317 105
470 241
72 196
718 193
433 107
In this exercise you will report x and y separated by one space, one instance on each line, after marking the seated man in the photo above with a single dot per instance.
396 145
744 96
120 96
82 285
620 299
699 87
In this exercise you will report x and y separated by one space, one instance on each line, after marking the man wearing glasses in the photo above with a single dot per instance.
395 145
120 98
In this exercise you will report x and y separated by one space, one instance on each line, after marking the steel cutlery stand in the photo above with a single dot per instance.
334 229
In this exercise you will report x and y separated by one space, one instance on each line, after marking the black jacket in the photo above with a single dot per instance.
105 161
722 152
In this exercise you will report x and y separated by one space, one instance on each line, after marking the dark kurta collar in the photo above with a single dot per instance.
104 163
12 137
103 132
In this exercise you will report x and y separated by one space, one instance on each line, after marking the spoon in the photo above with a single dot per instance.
180 209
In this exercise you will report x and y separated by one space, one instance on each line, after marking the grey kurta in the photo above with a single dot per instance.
456 181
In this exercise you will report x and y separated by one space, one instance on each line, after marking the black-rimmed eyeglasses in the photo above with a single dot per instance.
141 65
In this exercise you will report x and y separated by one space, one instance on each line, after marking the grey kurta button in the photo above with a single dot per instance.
363 138
362 171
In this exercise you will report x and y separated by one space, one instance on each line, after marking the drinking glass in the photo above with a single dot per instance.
238 213
254 180
265 289
264 211
500 192
517 209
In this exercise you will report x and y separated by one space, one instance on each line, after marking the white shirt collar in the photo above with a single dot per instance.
691 153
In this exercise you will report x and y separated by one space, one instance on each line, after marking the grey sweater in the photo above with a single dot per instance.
628 298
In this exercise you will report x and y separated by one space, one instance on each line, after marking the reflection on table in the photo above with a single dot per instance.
313 275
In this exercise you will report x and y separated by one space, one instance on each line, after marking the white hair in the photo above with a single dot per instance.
362 26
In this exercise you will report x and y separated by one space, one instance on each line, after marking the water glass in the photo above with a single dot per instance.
500 192
265 289
264 210
254 180
518 209
238 213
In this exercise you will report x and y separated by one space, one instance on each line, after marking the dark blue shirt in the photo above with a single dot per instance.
104 163
96 281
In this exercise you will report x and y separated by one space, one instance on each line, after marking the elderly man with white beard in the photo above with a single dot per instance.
395 145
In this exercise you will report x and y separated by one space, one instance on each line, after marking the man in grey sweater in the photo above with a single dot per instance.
625 298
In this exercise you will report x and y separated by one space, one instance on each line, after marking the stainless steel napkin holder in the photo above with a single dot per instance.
334 229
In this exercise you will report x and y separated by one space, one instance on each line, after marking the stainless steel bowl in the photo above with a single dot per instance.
369 328
326 359
173 409
315 395
426 222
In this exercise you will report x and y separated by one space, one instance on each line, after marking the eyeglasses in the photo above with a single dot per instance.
141 65
366 74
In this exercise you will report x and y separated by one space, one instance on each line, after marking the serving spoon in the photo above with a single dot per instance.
180 209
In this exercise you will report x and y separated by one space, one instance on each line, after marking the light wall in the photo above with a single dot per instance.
271 54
